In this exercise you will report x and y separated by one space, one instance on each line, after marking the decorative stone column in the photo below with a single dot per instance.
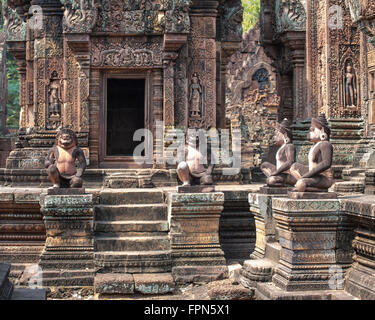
315 242
360 279
3 84
194 230
68 256
295 41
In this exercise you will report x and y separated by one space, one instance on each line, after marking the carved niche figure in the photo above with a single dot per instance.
350 87
54 96
60 161
279 175
195 96
317 176
193 171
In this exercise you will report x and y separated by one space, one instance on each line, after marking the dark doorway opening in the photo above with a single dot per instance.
125 114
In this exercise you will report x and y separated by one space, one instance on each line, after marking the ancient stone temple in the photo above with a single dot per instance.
323 62
295 222
78 61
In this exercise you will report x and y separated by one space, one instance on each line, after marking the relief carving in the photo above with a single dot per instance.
129 53
231 20
54 101
291 15
14 24
79 16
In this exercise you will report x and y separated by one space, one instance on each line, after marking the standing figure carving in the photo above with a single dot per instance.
279 175
55 97
60 161
350 87
317 176
195 96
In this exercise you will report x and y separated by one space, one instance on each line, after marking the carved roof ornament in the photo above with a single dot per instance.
363 13
231 20
80 16
290 15
14 24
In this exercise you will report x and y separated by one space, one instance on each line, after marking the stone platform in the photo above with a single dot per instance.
68 256
269 291
22 231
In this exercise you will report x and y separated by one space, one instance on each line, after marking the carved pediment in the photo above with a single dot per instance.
290 15
15 26
362 12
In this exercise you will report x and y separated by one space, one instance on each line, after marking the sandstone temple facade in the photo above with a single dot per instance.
89 56
181 64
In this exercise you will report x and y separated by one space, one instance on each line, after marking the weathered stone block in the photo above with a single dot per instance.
194 222
360 279
154 283
114 283
309 231
68 255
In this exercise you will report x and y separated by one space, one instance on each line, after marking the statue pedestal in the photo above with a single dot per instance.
196 189
68 256
312 195
360 279
273 190
315 246
194 222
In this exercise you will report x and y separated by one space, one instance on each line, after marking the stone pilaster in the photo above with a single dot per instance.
315 239
360 279
194 230
295 41
3 84
68 256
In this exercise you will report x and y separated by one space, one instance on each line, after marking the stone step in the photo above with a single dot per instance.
135 243
69 278
125 283
273 250
131 226
131 196
143 212
133 261
6 287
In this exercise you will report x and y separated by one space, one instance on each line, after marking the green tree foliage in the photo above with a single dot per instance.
13 85
250 14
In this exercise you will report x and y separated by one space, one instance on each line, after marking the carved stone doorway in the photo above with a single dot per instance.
125 110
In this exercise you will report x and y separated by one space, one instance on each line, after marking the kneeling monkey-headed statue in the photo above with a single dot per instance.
279 175
192 171
60 161
317 176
